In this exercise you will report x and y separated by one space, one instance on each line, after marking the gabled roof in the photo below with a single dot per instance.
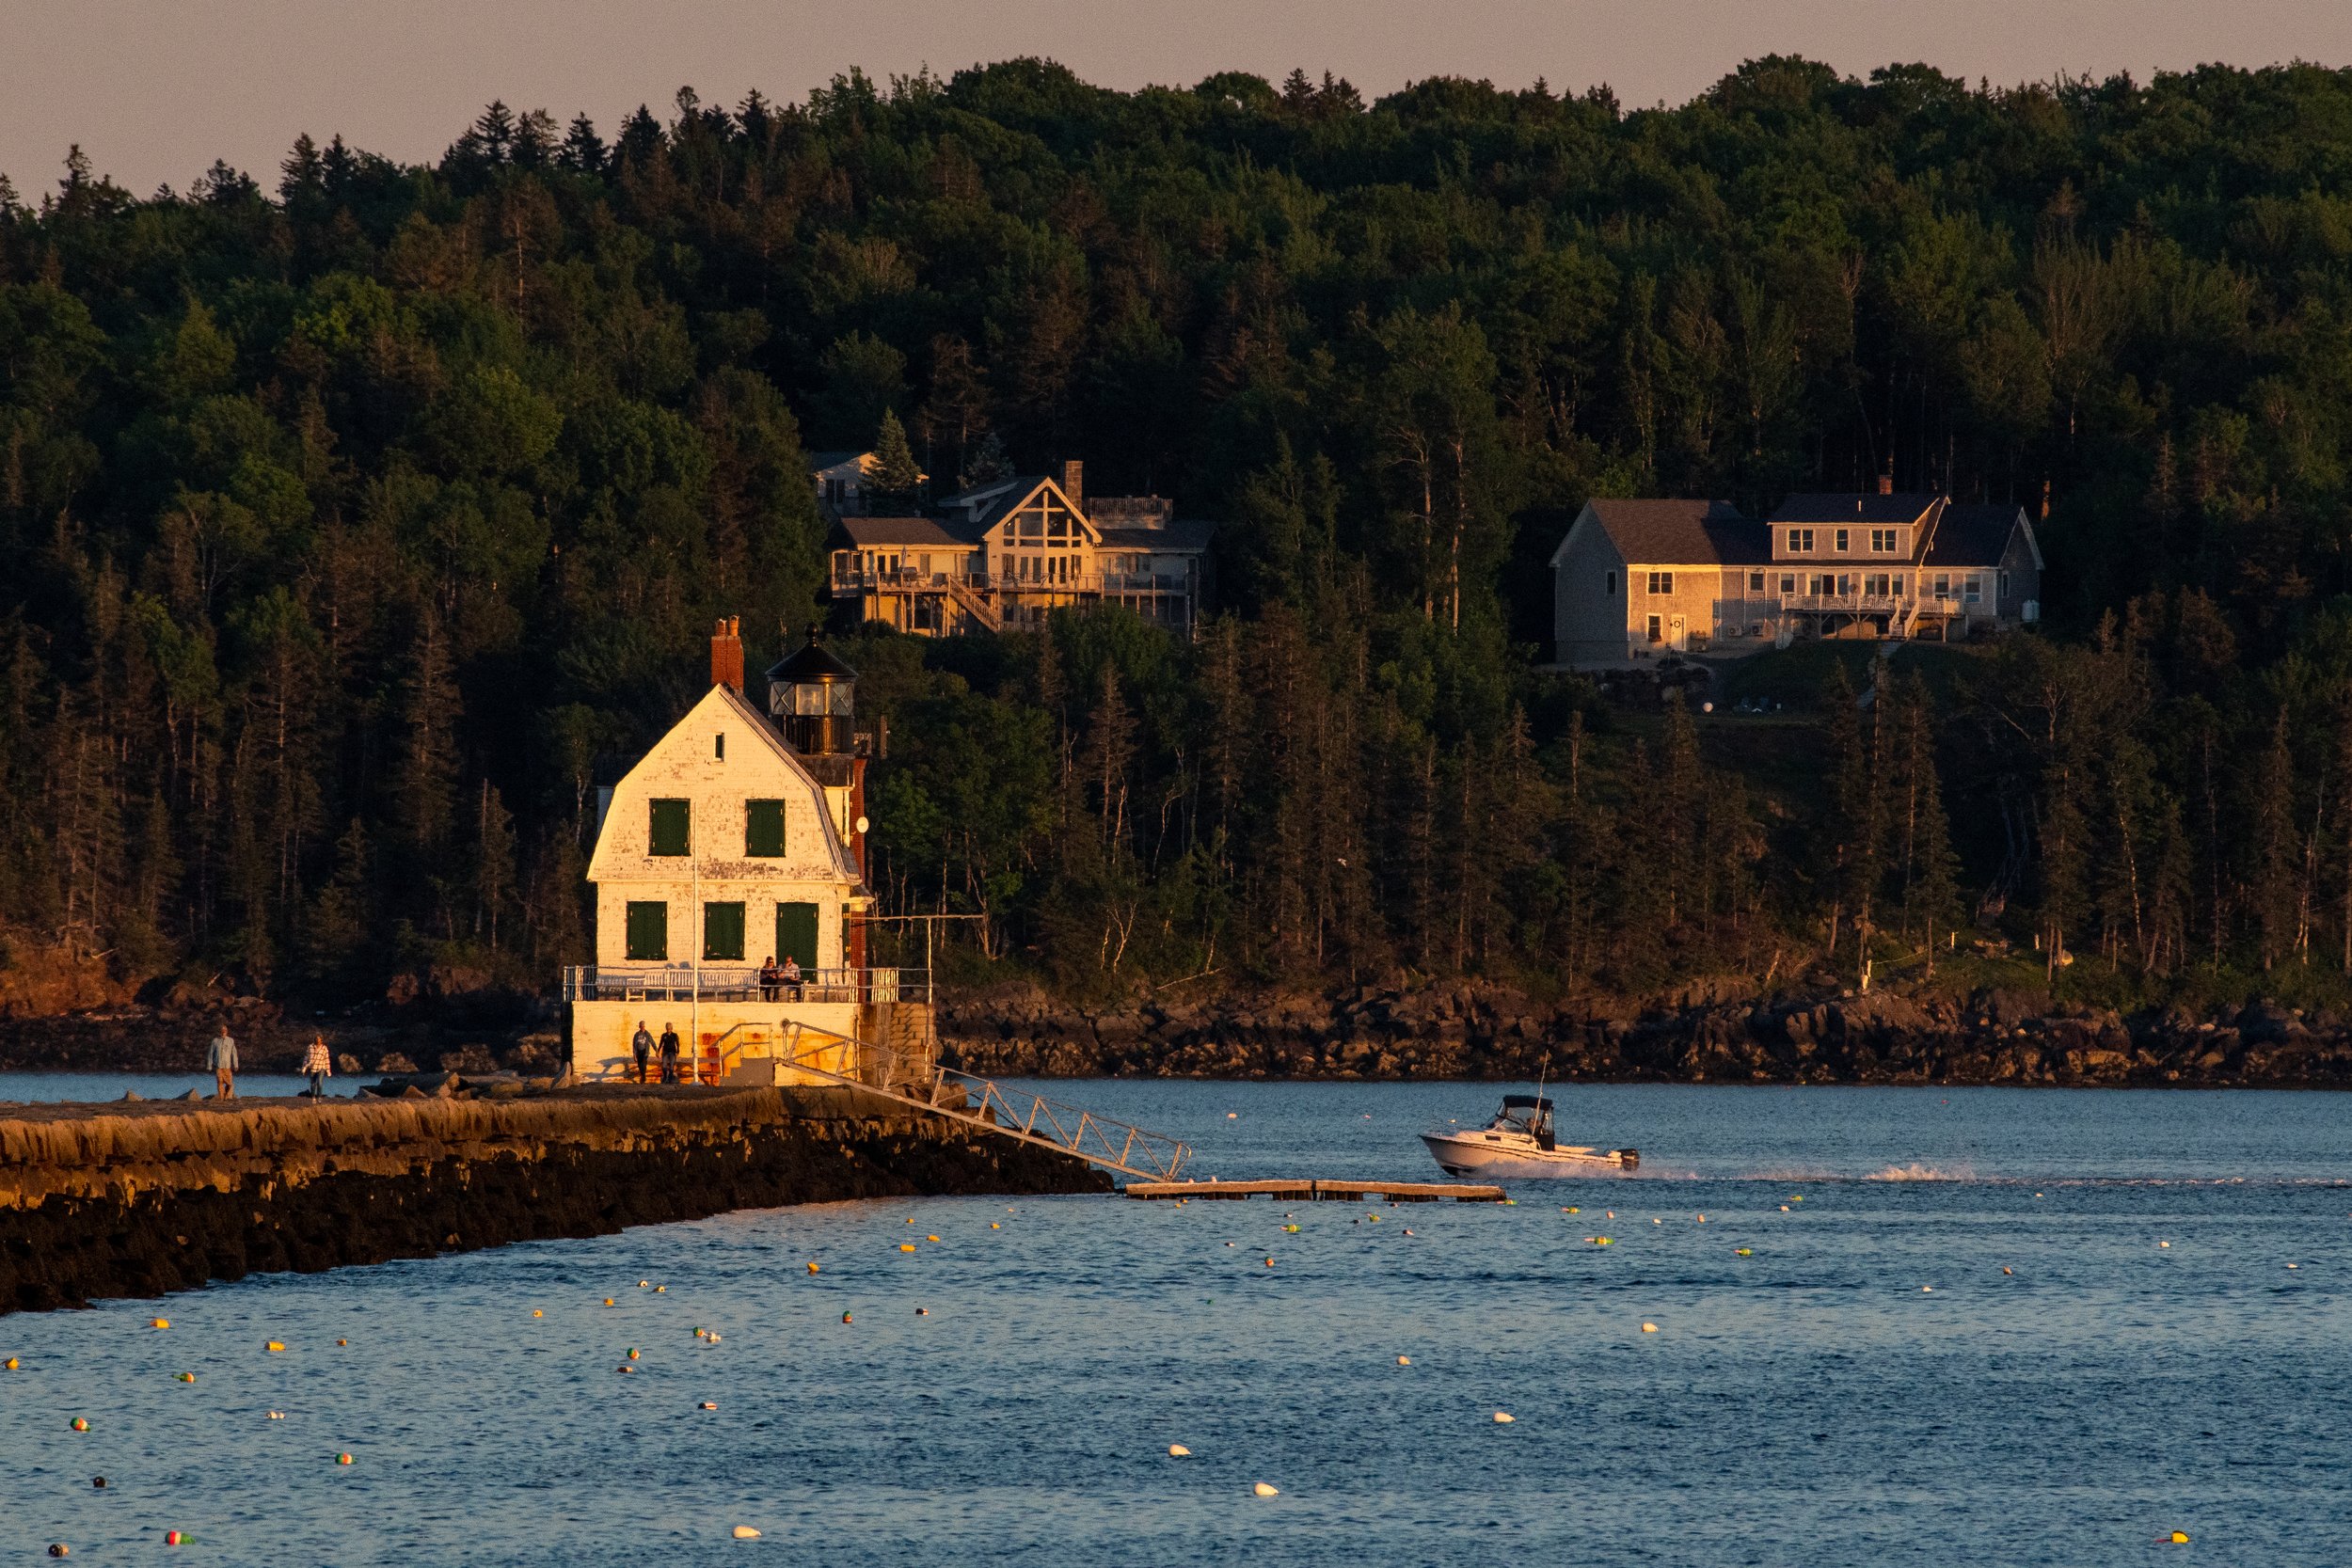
869 532
994 504
1978 536
1847 507
1676 532
819 461
764 730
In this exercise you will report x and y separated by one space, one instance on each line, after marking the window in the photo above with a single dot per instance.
1973 589
1800 541
1787 583
763 827
796 934
723 933
649 927
1845 585
669 832
1875 585
1842 541
1756 583
1898 585
1943 585
1881 541
1661 583
722 752
1612 589
2004 580
1656 633
1823 585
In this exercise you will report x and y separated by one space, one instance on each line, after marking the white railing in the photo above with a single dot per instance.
685 982
910 580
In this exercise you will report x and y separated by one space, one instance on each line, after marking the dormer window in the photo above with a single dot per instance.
1881 541
1800 541
1842 545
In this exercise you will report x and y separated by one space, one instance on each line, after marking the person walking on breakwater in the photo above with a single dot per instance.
641 1047
319 1066
222 1060
669 1052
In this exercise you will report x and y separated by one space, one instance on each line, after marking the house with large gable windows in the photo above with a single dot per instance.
1009 552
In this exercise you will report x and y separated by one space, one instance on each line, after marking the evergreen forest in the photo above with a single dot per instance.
355 513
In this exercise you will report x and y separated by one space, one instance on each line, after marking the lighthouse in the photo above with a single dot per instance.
734 847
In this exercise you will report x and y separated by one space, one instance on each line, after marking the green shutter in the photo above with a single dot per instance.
796 933
763 827
669 829
723 932
649 933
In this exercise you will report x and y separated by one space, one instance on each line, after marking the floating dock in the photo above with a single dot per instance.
1317 1192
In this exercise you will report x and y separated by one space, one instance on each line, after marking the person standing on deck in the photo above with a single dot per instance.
669 1052
641 1047
319 1066
222 1060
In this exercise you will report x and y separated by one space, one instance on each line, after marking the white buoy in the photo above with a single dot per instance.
1504 1418
745 1533
1264 1491
1177 1450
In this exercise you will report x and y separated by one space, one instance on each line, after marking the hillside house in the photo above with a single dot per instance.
1634 579
1007 553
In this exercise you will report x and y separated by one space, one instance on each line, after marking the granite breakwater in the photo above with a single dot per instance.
137 1199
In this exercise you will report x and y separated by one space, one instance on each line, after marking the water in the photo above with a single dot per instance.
1809 1404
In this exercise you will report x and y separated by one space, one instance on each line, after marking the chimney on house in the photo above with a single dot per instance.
1073 484
1886 478
726 654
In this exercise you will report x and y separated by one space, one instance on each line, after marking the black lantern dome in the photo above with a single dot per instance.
813 698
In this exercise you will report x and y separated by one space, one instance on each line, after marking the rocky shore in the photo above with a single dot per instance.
136 1199
1467 1030
1472 1031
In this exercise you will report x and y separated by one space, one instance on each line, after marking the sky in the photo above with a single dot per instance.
154 90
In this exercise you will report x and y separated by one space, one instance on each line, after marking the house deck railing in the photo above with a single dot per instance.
909 580
685 982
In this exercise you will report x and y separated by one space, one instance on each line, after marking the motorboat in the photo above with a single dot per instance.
1519 1142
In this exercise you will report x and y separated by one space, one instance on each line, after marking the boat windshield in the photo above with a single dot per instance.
1525 1113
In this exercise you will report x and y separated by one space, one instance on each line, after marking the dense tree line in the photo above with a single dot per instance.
349 523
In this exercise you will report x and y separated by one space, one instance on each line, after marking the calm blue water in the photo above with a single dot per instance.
1810 1403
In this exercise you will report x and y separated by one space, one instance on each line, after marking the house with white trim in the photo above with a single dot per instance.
1636 579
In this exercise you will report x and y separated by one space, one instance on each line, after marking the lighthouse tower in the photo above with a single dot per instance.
812 697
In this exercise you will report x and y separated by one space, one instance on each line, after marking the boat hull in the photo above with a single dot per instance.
1471 1155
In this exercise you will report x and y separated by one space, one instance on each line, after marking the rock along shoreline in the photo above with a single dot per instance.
1478 1032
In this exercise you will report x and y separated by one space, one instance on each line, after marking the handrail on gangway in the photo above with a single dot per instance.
983 1102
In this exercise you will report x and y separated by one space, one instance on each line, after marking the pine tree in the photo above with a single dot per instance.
895 482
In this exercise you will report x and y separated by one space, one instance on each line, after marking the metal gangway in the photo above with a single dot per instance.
980 1103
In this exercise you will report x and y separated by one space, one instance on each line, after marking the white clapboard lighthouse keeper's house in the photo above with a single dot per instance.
739 839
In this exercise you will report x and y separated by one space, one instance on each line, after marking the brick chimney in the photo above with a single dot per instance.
1886 479
1073 484
726 654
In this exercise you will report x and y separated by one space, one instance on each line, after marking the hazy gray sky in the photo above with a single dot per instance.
155 89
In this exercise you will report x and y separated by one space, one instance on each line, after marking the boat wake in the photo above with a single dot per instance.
1917 1172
